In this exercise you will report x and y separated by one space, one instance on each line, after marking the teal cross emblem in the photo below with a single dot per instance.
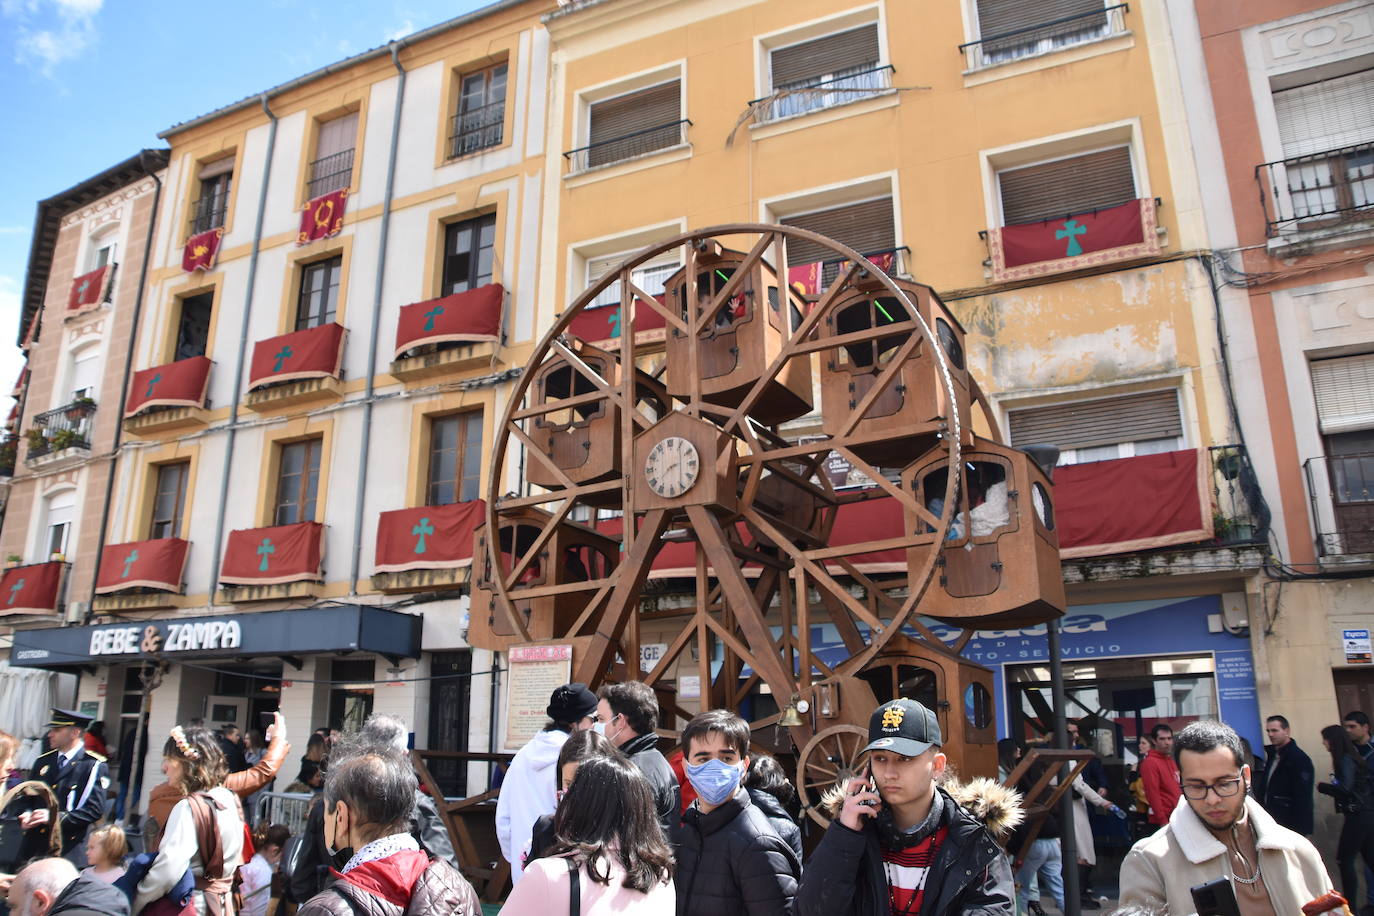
265 549
422 529
129 562
81 290
431 315
15 589
1072 229
281 358
615 321
151 382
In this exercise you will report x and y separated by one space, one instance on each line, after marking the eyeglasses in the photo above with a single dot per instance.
1224 789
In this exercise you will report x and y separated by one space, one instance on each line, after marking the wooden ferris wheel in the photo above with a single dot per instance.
708 438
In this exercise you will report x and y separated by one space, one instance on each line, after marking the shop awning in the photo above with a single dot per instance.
603 323
155 564
272 634
31 589
312 353
178 384
429 537
1130 504
469 317
271 556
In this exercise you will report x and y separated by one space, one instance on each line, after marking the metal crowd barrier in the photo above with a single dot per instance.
289 808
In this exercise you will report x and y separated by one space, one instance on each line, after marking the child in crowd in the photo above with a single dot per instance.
106 848
256 874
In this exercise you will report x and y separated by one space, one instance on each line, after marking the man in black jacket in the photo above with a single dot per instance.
899 843
1284 786
627 714
729 858
52 887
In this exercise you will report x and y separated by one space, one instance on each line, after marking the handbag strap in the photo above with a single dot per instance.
574 889
207 836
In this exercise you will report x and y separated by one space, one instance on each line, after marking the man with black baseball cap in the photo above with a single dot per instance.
530 788
78 778
903 839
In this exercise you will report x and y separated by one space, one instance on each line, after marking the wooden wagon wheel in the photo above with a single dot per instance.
700 456
828 759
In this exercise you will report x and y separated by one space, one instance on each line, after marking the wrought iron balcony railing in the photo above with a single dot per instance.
1318 190
1341 490
9 451
1239 513
330 174
630 146
791 99
66 427
891 260
208 213
1045 37
476 129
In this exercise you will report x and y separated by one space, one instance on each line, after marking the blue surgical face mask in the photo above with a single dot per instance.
599 727
714 780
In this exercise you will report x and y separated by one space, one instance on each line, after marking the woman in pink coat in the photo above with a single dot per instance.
609 855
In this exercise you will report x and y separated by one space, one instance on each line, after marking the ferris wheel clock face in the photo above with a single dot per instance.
672 467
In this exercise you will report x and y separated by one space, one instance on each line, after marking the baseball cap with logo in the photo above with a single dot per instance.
904 727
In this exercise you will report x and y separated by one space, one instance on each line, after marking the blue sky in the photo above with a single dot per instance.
88 83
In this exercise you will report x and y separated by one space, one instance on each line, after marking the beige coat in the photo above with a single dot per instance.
1160 869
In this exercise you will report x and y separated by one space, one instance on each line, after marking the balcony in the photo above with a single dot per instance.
9 451
1341 490
206 214
630 146
140 575
1239 513
476 129
1078 241
276 563
168 399
1044 38
791 100
296 369
1320 195
61 434
330 174
34 589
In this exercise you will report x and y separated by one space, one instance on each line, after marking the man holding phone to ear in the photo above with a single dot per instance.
1220 832
903 840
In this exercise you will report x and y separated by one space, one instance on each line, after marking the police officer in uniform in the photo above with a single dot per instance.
78 777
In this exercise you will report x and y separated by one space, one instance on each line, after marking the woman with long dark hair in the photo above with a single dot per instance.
1354 797
772 793
609 851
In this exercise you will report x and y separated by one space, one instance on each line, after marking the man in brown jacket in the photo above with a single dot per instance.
244 783
368 799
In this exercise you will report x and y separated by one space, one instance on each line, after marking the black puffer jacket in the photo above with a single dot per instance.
777 816
971 873
644 753
731 860
90 897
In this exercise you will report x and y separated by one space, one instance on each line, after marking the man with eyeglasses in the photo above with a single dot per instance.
1220 832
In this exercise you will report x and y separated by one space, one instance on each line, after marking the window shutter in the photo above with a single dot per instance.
1345 393
1053 190
86 372
1325 116
635 111
826 56
998 17
1107 421
866 227
337 136
222 166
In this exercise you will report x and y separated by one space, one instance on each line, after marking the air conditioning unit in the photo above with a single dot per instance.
76 611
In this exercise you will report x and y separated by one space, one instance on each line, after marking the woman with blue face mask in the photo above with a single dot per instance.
730 858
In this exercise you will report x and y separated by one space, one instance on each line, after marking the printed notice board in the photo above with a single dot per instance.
535 671
1357 647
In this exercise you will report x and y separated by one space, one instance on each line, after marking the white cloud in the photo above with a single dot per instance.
49 32
401 31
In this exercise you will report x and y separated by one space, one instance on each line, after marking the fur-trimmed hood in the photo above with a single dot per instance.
996 806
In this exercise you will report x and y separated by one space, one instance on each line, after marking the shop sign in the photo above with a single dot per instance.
651 654
167 637
1358 650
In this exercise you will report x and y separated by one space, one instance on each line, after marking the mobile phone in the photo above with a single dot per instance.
1215 898
267 719
872 786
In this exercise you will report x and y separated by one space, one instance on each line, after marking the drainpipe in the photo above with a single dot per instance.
128 373
243 349
366 446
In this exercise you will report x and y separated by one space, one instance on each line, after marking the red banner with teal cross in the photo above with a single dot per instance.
90 289
271 556
31 589
429 537
202 250
468 317
322 217
1077 241
312 353
179 384
157 564
600 324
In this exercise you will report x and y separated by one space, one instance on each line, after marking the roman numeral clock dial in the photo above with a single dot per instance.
672 467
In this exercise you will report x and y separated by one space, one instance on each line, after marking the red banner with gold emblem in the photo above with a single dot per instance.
31 589
468 317
429 537
271 556
178 384
312 353
201 250
91 288
322 217
155 564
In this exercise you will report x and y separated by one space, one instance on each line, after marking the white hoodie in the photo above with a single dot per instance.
528 792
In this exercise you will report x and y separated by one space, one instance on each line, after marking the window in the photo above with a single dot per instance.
298 479
469 252
1010 29
481 112
827 71
648 277
455 458
1062 187
169 500
193 327
867 227
102 250
57 524
633 124
1102 429
1327 131
211 209
85 377
333 165
319 297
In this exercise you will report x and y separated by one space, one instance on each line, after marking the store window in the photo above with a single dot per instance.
352 694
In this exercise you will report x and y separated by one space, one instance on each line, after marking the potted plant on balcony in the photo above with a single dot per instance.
80 408
13 560
64 438
37 439
9 451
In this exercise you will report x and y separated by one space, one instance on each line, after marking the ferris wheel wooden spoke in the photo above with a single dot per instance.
532 448
611 393
634 569
523 563
732 285
673 321
888 486
884 379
